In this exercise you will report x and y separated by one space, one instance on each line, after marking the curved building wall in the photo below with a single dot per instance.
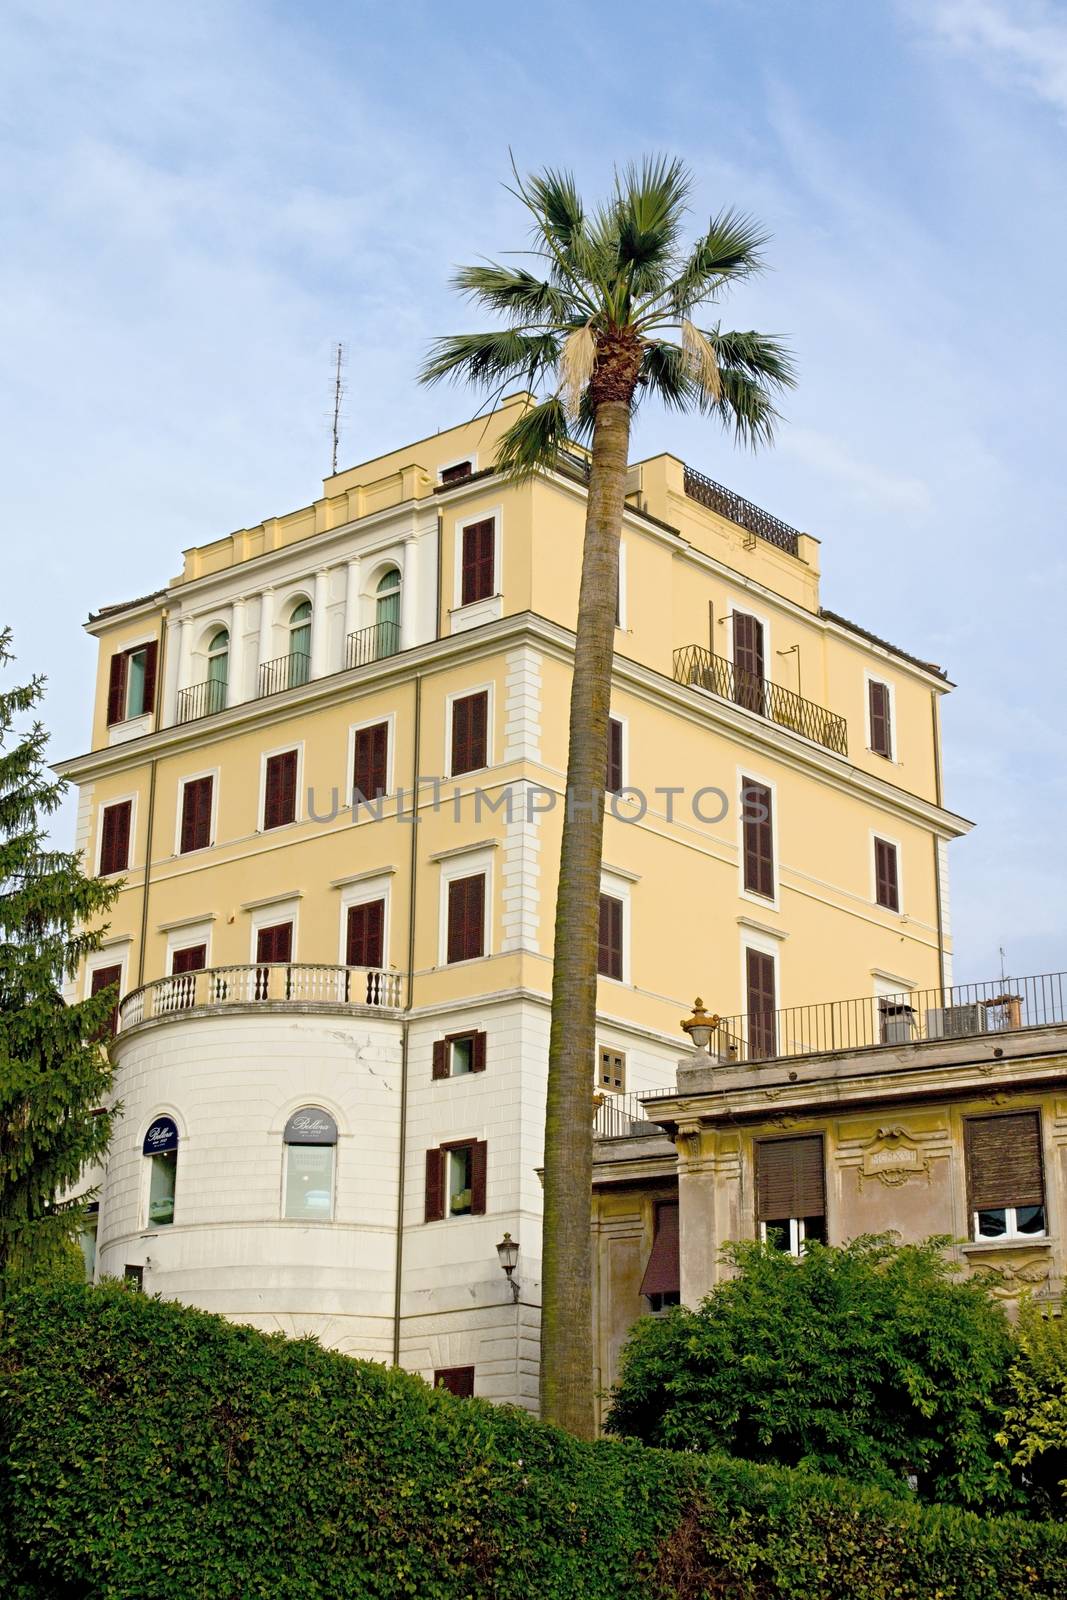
230 1081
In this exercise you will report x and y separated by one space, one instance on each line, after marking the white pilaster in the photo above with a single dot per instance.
185 655
319 624
266 628
235 691
352 581
409 593
170 676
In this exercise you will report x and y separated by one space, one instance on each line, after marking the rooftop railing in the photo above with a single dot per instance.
699 668
295 983
736 509
381 639
872 1022
201 700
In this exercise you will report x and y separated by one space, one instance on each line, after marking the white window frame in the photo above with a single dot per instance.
617 887
490 728
624 723
360 893
488 609
1011 1232
471 456
304 1222
389 718
771 903
104 805
264 757
109 955
285 909
191 777
875 677
187 937
886 838
796 1235
767 944
465 864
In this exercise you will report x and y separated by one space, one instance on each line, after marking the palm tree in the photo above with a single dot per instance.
589 332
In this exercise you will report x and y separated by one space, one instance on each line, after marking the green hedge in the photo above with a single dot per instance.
149 1450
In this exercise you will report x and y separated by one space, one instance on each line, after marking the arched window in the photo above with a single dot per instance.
310 1140
300 644
160 1149
387 614
218 670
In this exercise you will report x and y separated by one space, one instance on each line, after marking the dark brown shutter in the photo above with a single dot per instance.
196 815
663 1273
435 1186
115 844
759 973
470 727
193 959
758 835
440 1058
609 945
371 761
366 934
748 661
103 978
789 1178
466 918
477 576
887 885
275 943
479 1153
116 689
279 805
457 1380
1004 1160
453 474
613 780
881 730
478 1053
151 654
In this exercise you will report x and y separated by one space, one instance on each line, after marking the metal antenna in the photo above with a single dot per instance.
338 396
1002 973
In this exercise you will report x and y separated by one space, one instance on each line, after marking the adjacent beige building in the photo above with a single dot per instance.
332 1022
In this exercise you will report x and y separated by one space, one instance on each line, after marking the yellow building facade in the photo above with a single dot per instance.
776 832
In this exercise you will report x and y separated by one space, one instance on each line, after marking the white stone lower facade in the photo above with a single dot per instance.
430 1294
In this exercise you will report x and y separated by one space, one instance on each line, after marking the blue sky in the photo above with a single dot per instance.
197 200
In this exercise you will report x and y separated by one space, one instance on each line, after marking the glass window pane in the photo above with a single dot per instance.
1030 1219
135 683
161 1189
777 1233
815 1228
87 1240
309 1181
992 1224
459 1182
462 1051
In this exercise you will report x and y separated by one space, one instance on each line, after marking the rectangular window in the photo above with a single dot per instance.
196 814
466 918
365 945
273 945
748 661
1005 1175
613 779
279 797
790 1191
370 766
880 716
612 1071
455 1180
886 877
662 1278
103 978
161 1183
457 1380
470 732
757 827
131 689
192 959
759 983
458 1054
184 965
609 944
115 837
457 471
309 1182
478 578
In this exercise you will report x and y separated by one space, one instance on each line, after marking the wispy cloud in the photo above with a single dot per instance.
1025 41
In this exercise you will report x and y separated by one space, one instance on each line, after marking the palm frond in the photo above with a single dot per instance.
516 293
744 408
665 374
553 197
576 363
534 440
758 355
483 358
728 251
649 207
703 362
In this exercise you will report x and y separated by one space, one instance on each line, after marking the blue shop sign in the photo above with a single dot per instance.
161 1137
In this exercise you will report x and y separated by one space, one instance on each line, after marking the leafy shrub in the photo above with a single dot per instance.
153 1452
1035 1420
867 1361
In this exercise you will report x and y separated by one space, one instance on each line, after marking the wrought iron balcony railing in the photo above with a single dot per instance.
702 670
381 639
298 983
284 672
718 498
873 1022
201 700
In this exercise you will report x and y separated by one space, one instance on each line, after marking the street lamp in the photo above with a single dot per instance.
508 1252
700 1026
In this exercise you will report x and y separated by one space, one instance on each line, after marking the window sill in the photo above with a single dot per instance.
473 615
1016 1242
131 728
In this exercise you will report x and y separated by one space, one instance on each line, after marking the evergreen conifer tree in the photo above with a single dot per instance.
55 1075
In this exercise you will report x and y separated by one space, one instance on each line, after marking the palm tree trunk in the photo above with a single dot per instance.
566 1319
